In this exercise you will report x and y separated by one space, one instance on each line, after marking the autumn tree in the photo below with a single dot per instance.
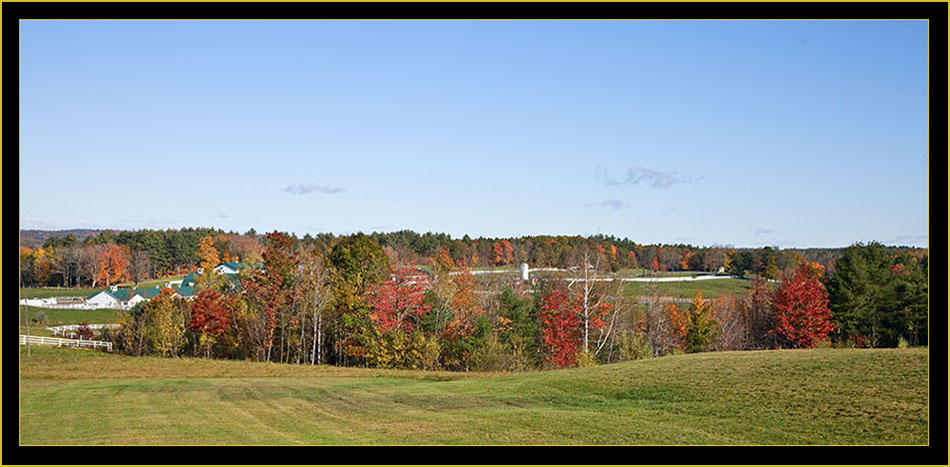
802 317
208 257
701 328
358 264
440 293
131 335
164 328
84 331
463 304
502 253
560 325
269 294
210 318
398 301
464 319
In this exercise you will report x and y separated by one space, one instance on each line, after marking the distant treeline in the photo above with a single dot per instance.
404 300
60 260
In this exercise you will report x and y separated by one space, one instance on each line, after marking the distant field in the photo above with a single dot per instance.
711 288
153 282
46 292
56 317
826 396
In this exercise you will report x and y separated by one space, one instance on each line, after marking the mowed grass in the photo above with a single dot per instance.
47 292
57 316
822 396
152 282
711 288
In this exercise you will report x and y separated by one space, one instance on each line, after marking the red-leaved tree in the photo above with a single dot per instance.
209 315
802 317
560 326
397 302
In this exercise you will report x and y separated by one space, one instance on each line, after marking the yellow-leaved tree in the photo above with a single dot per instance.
208 257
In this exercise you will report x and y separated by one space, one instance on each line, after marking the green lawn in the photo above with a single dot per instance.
687 289
46 292
56 317
153 282
825 396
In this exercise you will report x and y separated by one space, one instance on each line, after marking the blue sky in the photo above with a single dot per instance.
794 134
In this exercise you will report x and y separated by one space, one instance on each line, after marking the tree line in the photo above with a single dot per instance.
111 257
350 302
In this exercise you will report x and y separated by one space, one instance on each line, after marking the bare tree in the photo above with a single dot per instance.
139 265
316 295
91 258
594 298
66 262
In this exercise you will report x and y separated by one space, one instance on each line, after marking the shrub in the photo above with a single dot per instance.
585 359
632 346
396 349
492 355
38 318
84 332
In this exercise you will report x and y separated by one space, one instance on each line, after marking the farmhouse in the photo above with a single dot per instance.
227 268
125 297
187 287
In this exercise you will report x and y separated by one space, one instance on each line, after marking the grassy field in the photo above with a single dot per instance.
153 282
825 396
46 292
57 317
711 288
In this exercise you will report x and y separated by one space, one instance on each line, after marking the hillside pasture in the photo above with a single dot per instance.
823 396
711 288
59 316
47 292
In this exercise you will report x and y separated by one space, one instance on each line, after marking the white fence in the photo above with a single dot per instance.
75 327
59 342
53 304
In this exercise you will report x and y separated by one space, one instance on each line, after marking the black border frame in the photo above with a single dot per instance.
935 13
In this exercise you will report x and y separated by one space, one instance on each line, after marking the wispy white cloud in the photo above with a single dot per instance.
305 188
614 203
762 231
638 174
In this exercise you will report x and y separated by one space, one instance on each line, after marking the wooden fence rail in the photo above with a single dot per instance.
60 342
75 327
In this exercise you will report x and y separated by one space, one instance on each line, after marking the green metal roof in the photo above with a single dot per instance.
93 294
188 279
147 293
121 294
